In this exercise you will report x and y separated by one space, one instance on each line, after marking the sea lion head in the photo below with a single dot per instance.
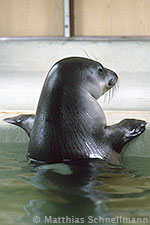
87 74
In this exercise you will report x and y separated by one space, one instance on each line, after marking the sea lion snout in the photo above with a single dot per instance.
112 82
112 79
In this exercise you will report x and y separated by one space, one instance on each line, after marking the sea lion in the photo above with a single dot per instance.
69 123
25 121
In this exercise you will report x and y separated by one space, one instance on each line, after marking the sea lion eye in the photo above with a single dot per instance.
100 69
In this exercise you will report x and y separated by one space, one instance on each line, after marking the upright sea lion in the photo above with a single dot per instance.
69 123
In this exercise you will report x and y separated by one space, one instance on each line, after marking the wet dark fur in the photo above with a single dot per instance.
69 123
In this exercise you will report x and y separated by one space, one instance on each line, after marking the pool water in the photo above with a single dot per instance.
83 192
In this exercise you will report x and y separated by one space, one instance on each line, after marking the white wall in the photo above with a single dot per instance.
24 65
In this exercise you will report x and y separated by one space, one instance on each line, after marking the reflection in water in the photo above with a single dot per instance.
68 194
78 190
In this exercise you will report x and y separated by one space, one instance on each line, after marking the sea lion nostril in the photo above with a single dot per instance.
111 82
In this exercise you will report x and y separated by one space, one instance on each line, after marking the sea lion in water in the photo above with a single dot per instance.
124 131
25 121
69 123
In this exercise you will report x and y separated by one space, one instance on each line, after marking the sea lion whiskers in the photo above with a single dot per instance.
86 53
95 57
117 86
110 94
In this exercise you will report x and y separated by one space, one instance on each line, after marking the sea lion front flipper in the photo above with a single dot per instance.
121 133
25 121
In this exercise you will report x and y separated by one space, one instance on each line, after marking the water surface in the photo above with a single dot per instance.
83 192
